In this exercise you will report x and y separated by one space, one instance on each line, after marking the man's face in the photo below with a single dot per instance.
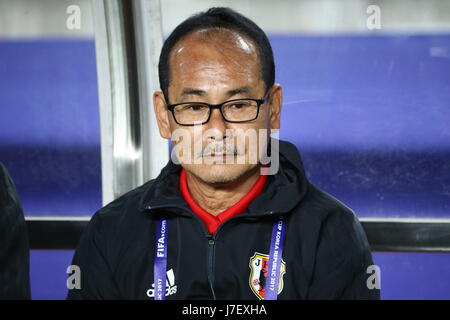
214 66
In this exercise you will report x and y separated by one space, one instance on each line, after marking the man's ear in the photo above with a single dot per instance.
275 102
162 115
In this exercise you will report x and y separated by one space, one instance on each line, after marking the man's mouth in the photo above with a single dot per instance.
219 154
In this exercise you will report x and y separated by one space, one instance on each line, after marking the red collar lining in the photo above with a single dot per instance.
213 222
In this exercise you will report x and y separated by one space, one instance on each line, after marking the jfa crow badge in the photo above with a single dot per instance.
259 266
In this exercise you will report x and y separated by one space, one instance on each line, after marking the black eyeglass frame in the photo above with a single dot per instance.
219 106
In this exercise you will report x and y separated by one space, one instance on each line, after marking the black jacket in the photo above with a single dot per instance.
14 247
326 253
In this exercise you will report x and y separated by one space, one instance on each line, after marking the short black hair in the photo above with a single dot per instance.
219 18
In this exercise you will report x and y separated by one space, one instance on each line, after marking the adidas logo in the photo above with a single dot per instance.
171 288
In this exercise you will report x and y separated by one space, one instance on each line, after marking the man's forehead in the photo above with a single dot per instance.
224 43
216 62
228 37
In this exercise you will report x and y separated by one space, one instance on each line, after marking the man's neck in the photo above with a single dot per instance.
217 198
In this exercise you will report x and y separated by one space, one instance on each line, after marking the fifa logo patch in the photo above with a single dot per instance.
259 266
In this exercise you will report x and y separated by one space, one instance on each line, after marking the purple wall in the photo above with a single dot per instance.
49 125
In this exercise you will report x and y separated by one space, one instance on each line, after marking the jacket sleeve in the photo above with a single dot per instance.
14 246
93 261
343 259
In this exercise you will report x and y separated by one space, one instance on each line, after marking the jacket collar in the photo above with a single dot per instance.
283 191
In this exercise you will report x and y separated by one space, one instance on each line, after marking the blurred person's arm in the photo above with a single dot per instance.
14 246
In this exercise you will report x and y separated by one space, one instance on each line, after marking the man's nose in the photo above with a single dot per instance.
217 126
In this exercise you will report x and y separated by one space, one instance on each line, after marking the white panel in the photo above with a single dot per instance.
149 40
127 57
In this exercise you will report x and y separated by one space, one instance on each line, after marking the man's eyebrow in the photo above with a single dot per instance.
195 92
230 93
240 90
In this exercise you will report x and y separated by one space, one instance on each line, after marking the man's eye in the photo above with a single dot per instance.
196 107
193 107
238 105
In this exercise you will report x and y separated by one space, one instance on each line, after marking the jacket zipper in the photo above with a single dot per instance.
211 245
211 252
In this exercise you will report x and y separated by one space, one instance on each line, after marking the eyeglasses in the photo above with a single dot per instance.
236 110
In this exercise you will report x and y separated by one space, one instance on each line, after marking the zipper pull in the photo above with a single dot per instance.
211 239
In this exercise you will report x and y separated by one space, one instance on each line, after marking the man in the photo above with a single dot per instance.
14 248
216 223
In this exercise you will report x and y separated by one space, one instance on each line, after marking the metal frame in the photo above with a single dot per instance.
149 41
408 235
128 36
387 235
